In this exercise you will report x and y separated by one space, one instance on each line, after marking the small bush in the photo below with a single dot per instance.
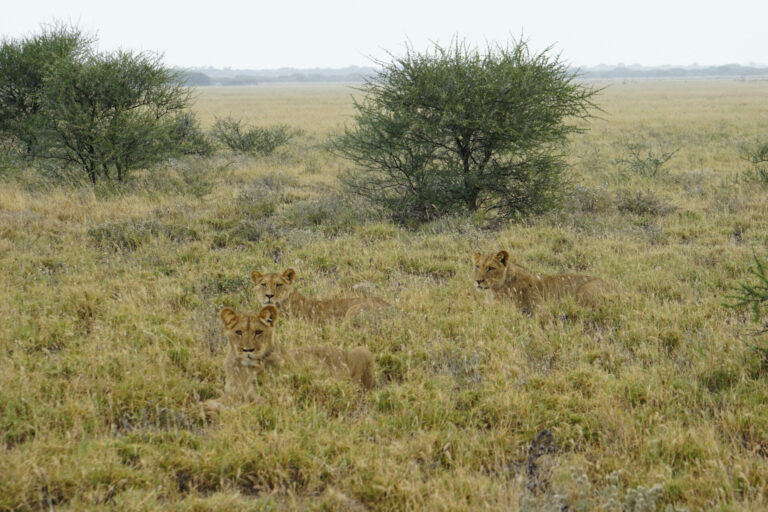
391 367
183 177
195 180
237 137
756 174
130 235
332 213
267 188
257 209
645 159
757 155
753 293
262 196
189 138
641 203
220 284
575 491
247 231
252 231
590 200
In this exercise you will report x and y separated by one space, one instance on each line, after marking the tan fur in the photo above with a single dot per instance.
356 364
506 280
278 289
250 342
252 350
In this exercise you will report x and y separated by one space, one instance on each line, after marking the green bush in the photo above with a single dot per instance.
108 114
757 174
188 138
332 211
130 235
182 177
590 200
459 130
757 155
236 136
641 203
752 293
96 115
645 159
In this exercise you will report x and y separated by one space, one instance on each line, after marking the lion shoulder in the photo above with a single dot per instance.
326 310
356 364
585 289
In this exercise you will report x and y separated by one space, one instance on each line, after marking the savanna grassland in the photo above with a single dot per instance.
111 336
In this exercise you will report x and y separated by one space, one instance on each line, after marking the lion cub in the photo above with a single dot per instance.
278 289
508 280
252 349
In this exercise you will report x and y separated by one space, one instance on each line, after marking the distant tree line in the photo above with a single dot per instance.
209 76
725 71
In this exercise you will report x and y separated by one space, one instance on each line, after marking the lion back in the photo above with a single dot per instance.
593 292
586 290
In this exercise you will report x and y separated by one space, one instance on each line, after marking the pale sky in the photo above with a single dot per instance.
337 33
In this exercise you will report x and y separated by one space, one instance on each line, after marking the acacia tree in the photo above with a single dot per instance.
97 113
110 113
459 130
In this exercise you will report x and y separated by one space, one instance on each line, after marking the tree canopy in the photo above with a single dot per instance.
457 129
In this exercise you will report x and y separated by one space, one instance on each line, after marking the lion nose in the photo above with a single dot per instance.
478 281
269 296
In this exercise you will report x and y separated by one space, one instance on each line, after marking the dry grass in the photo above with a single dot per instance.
112 336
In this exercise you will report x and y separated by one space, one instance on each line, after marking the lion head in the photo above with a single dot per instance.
490 269
250 334
273 288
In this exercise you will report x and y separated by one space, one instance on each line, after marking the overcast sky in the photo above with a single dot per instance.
336 33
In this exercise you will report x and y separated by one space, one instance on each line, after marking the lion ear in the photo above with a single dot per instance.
268 315
229 317
476 256
289 275
502 257
256 276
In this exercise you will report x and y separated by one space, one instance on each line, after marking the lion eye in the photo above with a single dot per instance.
490 269
257 332
278 285
263 285
239 333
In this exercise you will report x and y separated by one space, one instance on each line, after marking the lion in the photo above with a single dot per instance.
277 289
510 281
252 350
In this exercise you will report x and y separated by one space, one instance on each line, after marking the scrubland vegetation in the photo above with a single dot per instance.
111 335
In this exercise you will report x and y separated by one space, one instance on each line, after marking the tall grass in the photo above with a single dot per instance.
111 337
